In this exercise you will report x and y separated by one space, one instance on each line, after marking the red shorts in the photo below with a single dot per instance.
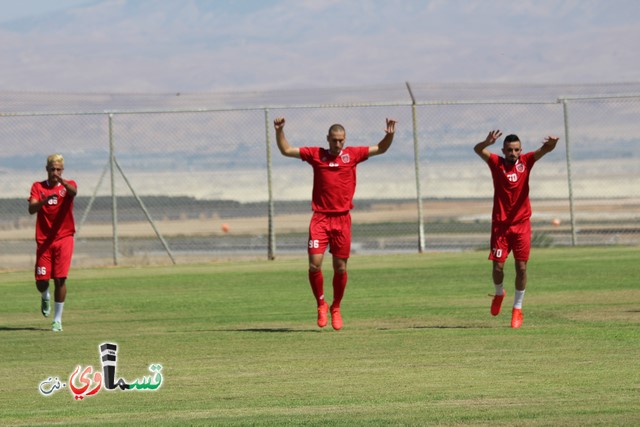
333 230
53 260
507 238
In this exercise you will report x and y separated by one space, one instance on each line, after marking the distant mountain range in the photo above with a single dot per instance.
151 46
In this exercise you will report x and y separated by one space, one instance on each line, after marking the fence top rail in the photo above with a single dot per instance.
528 102
598 98
318 106
202 110
485 102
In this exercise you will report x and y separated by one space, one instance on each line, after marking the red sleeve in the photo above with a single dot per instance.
306 154
72 182
363 154
493 161
529 159
35 191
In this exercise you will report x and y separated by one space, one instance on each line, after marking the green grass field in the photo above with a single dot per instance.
238 344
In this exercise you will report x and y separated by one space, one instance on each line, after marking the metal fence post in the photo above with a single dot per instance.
416 155
114 202
565 110
271 250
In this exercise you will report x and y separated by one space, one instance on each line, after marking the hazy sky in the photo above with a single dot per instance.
15 9
208 45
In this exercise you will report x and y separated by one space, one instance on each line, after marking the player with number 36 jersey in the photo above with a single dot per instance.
334 185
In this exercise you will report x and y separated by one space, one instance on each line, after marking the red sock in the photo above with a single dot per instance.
317 285
339 284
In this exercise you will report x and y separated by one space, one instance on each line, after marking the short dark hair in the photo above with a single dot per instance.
336 128
511 138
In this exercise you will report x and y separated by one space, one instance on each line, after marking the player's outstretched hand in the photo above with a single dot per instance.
279 123
551 141
493 136
391 126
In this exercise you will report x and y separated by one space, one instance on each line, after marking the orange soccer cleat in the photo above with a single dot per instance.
516 318
323 310
336 318
496 303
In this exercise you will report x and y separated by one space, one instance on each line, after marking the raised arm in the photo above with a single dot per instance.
547 146
71 190
481 147
283 144
384 144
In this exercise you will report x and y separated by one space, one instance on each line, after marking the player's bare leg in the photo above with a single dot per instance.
498 273
521 275
316 281
60 292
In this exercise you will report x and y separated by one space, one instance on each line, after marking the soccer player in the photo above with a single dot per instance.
510 225
334 184
52 200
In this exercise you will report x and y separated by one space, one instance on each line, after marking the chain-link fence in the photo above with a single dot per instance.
198 177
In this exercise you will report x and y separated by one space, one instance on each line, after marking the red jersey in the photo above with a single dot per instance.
55 218
511 188
334 177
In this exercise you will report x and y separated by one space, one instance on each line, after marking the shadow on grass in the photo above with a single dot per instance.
278 330
26 328
260 330
437 327
450 327
317 331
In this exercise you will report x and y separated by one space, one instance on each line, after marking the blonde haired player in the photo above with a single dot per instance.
334 184
52 200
